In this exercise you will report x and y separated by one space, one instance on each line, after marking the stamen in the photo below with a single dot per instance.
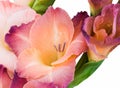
55 47
59 47
63 46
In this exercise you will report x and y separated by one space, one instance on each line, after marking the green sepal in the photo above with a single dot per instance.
40 6
83 70
94 12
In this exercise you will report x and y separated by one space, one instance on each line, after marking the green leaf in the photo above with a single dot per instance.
40 6
81 62
83 70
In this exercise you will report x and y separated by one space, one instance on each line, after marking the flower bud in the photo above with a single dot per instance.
102 32
40 6
97 5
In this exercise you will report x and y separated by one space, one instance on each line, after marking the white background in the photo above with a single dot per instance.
108 74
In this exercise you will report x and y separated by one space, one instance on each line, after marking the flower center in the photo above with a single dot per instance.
54 55
108 29
60 48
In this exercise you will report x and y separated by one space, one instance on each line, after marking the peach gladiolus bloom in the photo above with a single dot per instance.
102 33
53 47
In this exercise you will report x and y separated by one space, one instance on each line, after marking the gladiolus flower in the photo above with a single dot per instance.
97 5
10 15
102 33
53 46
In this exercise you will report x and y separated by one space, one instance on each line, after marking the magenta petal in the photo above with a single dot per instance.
78 21
79 17
113 42
18 82
17 38
4 78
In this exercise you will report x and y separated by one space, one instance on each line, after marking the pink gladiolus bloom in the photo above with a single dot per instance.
103 32
10 15
46 49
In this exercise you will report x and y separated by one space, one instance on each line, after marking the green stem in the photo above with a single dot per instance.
81 62
83 70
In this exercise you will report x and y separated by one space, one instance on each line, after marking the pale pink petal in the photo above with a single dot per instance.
37 84
59 77
4 0
30 65
7 58
78 44
4 78
17 82
11 14
18 38
53 29
23 2
62 74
